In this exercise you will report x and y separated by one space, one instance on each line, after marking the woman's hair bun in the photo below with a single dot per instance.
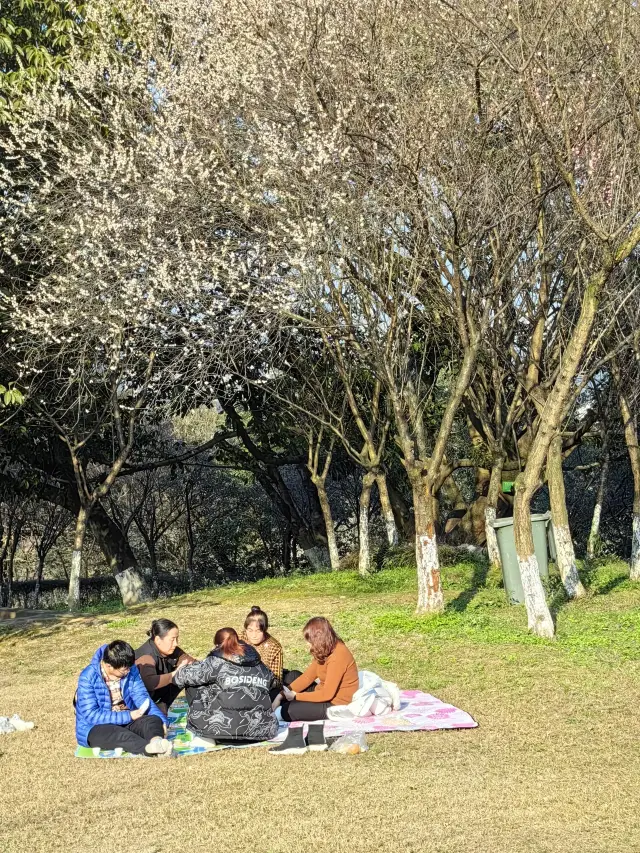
256 609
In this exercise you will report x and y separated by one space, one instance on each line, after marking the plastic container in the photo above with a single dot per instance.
509 558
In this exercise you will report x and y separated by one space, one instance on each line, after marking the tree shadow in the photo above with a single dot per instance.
478 581
610 585
42 626
557 602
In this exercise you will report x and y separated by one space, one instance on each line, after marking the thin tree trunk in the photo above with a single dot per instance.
38 584
491 512
73 599
364 555
594 534
190 542
325 506
566 554
387 511
631 440
430 595
3 551
13 547
286 550
276 489
153 565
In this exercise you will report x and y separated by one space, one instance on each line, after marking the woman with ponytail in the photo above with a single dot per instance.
232 701
158 659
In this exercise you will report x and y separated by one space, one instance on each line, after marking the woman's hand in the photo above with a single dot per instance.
182 662
289 695
276 702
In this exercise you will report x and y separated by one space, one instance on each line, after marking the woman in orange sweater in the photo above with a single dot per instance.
332 678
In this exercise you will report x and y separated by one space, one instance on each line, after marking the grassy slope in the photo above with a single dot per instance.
552 767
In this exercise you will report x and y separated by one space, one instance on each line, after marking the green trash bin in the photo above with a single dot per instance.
509 558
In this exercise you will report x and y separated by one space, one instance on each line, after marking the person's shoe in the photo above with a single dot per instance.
206 742
160 747
20 725
315 737
293 744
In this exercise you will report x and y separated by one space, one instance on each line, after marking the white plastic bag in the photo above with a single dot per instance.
352 744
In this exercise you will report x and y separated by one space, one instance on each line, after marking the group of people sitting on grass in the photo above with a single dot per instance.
234 694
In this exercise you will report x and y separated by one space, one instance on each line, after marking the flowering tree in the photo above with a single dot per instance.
393 179
570 78
119 294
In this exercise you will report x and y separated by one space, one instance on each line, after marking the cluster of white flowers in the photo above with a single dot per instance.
246 161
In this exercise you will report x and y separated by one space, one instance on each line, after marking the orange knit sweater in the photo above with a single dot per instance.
338 677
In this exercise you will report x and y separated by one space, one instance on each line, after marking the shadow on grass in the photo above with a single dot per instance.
558 598
610 585
478 580
557 602
42 627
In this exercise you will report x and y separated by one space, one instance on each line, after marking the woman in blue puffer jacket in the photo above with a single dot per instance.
113 708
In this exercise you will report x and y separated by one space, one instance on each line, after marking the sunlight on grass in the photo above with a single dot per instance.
553 714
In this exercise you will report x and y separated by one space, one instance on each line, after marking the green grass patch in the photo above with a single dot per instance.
127 622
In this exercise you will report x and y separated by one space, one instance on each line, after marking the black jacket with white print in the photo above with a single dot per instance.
233 697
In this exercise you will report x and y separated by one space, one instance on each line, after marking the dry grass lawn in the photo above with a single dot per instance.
552 767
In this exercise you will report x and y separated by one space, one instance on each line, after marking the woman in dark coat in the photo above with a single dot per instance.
158 659
232 702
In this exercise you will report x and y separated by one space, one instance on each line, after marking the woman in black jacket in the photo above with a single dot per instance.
232 702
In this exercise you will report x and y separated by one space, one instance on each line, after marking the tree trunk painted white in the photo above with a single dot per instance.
316 556
491 511
538 614
132 586
566 557
325 506
364 556
490 515
430 595
594 533
387 511
634 573
565 552
73 599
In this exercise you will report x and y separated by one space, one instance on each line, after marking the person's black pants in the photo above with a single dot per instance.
132 738
166 696
307 712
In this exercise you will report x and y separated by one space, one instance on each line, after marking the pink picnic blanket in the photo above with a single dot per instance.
418 712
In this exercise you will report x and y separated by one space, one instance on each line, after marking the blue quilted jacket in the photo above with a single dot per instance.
93 700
